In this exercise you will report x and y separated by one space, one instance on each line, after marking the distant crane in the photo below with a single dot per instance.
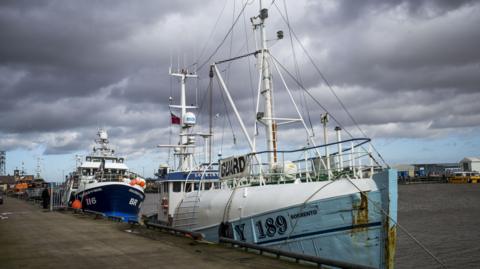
3 161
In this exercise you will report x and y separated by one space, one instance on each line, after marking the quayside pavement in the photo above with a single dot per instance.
33 238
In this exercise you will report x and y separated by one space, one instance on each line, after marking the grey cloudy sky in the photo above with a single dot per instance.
407 70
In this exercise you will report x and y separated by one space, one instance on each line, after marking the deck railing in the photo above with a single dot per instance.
351 157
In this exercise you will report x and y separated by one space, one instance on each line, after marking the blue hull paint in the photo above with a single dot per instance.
324 228
349 228
113 200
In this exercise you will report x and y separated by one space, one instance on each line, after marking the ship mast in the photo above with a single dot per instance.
185 160
102 140
266 89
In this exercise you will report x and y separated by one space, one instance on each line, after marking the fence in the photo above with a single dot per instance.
57 200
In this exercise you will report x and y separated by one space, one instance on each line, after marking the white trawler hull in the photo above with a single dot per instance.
326 219
322 200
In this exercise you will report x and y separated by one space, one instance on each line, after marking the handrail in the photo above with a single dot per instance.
364 141
297 256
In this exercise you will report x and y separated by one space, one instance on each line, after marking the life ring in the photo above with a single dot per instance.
164 205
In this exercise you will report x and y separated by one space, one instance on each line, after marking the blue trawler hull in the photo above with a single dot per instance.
359 228
112 199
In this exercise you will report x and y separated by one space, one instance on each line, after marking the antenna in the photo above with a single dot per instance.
38 169
324 121
78 161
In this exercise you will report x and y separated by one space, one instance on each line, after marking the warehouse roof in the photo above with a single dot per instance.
7 179
470 159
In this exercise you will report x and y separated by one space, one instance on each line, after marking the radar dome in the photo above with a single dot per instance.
189 119
103 134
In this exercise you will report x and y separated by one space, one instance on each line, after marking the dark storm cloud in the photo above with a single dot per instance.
395 50
342 12
57 56
69 67
69 48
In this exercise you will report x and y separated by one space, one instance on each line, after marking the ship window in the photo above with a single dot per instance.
165 187
177 186
207 185
196 186
188 187
217 185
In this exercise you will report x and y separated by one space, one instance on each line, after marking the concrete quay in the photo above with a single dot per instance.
33 238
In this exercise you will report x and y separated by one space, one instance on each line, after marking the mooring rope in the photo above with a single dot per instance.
304 204
400 226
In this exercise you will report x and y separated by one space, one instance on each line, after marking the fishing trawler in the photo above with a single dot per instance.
331 200
103 184
184 176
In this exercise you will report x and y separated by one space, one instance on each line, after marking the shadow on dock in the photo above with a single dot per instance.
33 238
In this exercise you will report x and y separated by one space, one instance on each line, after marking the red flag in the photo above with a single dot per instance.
174 118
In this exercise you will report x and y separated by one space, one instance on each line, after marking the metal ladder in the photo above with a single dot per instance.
185 214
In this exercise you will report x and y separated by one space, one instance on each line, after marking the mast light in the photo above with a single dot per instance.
280 34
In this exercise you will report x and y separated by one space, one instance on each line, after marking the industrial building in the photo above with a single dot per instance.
470 164
426 169
6 183
435 171
405 170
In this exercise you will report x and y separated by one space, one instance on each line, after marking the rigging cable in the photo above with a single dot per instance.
211 34
202 102
224 38
328 85
229 121
317 102
227 73
297 69
249 64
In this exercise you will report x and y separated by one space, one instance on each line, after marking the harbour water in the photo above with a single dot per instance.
445 218
150 204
